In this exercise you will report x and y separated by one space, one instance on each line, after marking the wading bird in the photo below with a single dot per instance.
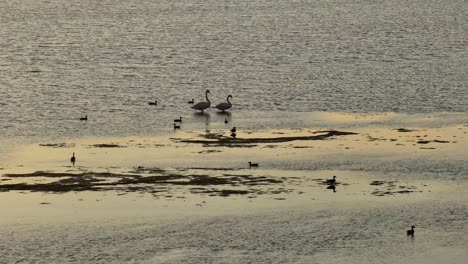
203 105
73 159
226 105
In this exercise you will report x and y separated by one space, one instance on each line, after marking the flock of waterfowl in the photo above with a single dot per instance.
201 106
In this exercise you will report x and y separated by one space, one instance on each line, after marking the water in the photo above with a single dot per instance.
353 235
60 60
283 62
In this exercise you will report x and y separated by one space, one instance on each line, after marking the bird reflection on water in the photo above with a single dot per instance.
332 187
203 117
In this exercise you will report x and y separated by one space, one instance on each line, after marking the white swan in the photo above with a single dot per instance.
226 105
203 105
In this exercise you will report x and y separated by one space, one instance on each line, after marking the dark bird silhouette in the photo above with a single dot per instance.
176 126
153 103
332 187
233 130
410 232
178 120
191 101
73 159
226 121
331 181
224 106
253 164
201 106
84 118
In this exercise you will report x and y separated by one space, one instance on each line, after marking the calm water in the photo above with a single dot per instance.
281 60
355 235
60 60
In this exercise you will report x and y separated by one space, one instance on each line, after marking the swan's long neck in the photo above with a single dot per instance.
228 100
206 95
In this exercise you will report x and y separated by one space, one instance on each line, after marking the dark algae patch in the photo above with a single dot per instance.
390 187
149 180
434 141
405 130
107 146
57 145
220 140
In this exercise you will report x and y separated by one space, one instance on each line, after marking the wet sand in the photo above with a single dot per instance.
214 163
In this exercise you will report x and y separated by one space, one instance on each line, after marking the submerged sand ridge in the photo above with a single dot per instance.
213 163
217 182
221 140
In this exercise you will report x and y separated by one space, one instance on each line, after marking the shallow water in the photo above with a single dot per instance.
295 220
366 233
288 65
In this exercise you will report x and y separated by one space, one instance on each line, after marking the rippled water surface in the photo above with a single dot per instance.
370 235
284 62
63 59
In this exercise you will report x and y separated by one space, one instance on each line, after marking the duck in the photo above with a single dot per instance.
178 120
73 159
226 121
233 130
191 101
226 105
253 164
410 232
331 181
203 105
176 126
153 103
84 118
